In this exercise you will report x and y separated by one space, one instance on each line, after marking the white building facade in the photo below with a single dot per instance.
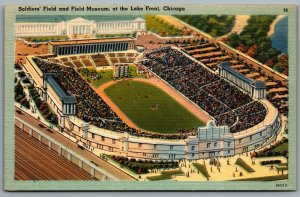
79 26
257 89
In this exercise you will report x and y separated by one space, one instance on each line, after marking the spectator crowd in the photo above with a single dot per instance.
222 100
227 104
91 108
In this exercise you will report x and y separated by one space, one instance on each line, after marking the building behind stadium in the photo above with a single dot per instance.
78 26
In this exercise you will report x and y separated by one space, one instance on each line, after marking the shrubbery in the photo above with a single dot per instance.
21 74
43 107
90 74
142 166
115 35
17 67
212 24
161 27
26 80
46 38
254 41
20 96
269 162
133 71
278 149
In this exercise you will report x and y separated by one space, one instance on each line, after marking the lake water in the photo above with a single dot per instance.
280 36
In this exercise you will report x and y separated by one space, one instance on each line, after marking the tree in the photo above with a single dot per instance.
278 68
252 51
242 48
234 40
269 63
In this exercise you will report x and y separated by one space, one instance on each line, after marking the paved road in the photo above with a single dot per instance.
35 161
119 174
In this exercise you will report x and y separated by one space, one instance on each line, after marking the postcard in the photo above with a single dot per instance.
150 97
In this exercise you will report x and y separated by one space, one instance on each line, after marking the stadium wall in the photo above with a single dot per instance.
123 144
227 144
221 143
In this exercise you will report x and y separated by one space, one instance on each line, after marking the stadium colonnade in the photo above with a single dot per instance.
90 46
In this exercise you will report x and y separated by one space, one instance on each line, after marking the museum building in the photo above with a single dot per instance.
78 26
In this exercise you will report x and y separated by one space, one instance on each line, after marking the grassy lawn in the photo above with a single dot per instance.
46 38
282 164
165 175
133 72
277 149
282 168
144 76
106 76
161 27
282 147
115 35
243 164
215 25
202 168
151 108
266 178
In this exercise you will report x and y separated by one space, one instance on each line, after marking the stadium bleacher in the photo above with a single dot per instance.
222 100
91 108
96 60
100 60
211 56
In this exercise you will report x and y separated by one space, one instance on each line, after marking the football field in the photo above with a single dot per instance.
150 108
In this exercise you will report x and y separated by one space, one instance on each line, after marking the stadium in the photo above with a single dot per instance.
182 108
152 97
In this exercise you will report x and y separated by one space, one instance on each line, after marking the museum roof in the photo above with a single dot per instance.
139 19
80 20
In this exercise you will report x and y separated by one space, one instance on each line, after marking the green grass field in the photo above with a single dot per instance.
165 175
202 168
266 178
244 165
106 76
282 147
151 108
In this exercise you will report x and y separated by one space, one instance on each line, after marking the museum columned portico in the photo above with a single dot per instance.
79 26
